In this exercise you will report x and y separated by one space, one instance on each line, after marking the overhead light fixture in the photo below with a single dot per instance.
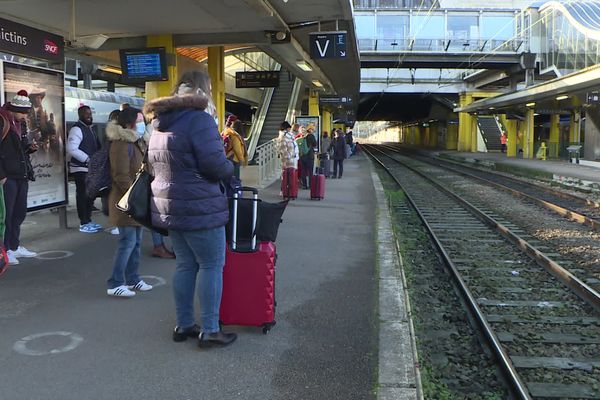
562 97
535 114
304 66
317 83
492 108
529 104
114 70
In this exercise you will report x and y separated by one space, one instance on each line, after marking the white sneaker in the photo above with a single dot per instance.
140 286
120 291
23 252
12 259
114 231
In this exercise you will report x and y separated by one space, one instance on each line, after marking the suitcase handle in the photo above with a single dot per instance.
235 215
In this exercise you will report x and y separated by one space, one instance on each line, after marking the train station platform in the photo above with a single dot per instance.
63 338
583 177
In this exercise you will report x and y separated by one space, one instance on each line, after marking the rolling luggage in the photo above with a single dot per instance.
325 165
317 187
289 183
249 274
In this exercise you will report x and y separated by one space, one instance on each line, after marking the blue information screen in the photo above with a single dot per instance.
146 64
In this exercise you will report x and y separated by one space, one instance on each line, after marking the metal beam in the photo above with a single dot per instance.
437 60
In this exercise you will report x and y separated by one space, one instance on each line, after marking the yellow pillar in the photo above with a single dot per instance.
216 70
451 136
528 135
433 134
474 134
162 88
554 142
327 122
575 127
511 137
313 103
427 136
464 124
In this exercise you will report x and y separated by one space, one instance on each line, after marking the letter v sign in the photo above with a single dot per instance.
323 51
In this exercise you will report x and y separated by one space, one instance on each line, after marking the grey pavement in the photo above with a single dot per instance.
91 346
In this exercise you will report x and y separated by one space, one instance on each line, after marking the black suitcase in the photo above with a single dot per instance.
325 165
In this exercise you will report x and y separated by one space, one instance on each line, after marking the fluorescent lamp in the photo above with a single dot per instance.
317 83
112 69
562 97
304 66
492 108
535 114
529 104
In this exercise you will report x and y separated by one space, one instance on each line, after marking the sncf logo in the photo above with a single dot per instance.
50 47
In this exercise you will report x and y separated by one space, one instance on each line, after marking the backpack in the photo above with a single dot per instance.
302 146
98 180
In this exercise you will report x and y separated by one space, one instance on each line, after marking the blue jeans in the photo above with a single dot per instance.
127 257
200 256
157 239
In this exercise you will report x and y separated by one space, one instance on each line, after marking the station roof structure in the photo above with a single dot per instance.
125 24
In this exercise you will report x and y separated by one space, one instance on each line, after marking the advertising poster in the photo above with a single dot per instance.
311 122
45 127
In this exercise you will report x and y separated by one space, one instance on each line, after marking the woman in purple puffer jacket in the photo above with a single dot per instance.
188 199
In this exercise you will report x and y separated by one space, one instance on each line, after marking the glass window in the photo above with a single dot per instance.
497 27
428 27
365 26
392 26
463 27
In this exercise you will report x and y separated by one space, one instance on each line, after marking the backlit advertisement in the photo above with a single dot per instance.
45 127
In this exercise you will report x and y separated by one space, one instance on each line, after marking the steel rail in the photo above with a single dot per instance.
519 386
563 211
585 292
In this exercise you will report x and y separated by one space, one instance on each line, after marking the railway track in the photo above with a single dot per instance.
541 321
574 207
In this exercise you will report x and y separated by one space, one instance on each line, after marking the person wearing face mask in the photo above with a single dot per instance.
14 153
81 144
127 148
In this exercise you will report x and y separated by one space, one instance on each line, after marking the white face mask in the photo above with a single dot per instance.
140 128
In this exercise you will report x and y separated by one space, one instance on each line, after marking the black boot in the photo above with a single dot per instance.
180 334
216 339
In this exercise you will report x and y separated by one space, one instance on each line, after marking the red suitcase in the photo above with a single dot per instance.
317 187
289 183
248 277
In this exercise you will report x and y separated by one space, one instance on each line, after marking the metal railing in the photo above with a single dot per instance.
259 120
291 111
392 4
268 162
440 45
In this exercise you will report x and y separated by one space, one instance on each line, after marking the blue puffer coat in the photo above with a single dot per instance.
187 158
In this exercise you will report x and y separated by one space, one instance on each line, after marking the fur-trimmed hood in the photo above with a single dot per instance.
161 105
115 132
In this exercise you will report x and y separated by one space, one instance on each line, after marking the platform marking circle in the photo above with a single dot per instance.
21 345
159 281
46 255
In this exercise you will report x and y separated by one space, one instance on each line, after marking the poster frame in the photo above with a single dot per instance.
47 71
311 119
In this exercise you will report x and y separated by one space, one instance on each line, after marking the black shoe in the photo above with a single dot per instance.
216 339
180 334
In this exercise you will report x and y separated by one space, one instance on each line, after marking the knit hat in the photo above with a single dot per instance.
20 103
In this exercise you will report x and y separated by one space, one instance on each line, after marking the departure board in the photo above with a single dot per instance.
144 64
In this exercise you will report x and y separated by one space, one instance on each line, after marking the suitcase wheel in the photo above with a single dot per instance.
267 327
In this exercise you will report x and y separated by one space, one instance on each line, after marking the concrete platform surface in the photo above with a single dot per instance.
62 337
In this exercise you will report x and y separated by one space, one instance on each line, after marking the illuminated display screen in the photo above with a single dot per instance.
144 64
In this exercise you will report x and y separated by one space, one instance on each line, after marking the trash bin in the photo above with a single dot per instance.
574 153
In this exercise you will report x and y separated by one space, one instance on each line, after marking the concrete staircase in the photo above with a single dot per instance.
490 132
278 107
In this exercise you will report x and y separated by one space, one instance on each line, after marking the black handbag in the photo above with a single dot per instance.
136 201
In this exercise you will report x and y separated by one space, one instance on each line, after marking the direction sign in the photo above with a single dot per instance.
328 44
255 79
336 100
593 97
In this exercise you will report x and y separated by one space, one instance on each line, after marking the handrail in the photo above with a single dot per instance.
268 162
259 120
440 45
291 111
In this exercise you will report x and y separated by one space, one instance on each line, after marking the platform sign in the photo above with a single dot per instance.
336 100
328 44
593 97
256 79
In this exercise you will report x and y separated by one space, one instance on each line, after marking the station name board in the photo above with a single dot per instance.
26 41
256 79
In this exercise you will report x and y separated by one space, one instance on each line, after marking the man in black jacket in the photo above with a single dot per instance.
14 174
